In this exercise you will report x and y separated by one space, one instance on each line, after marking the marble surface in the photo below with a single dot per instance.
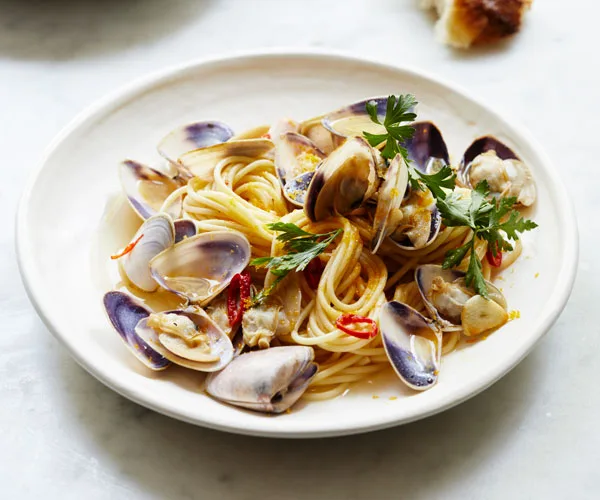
534 434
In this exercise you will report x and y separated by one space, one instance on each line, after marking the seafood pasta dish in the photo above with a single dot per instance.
299 258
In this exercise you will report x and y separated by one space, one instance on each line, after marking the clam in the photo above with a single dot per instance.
454 305
412 343
389 199
296 158
200 267
201 162
189 339
345 179
193 136
353 120
427 149
270 380
420 222
125 313
155 235
277 316
184 228
490 160
146 188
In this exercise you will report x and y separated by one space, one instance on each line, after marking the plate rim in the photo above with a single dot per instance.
558 299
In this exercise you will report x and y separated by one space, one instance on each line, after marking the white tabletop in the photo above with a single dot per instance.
534 434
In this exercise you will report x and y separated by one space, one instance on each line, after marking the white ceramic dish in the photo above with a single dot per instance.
63 253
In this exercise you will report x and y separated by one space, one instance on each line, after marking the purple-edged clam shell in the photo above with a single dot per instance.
295 189
345 179
154 235
125 313
296 158
488 143
478 147
389 198
193 136
200 267
184 228
354 119
219 342
427 147
146 188
412 343
270 380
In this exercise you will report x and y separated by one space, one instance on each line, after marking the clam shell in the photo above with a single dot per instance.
158 234
193 136
200 267
125 313
146 188
220 343
345 179
389 197
522 184
296 158
427 149
270 380
412 343
184 228
353 120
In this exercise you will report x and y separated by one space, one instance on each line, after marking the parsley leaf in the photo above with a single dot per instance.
456 256
302 247
485 218
444 178
398 110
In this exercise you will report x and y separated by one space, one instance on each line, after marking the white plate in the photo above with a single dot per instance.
64 262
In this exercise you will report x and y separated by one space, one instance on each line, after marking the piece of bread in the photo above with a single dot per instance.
466 22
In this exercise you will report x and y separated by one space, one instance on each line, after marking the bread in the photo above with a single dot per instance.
463 23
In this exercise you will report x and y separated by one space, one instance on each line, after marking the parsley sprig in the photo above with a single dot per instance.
488 221
398 110
302 247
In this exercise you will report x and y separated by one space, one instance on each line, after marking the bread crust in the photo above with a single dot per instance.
467 22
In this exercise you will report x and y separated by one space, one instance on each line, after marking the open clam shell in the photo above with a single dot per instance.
201 162
155 235
270 380
125 313
193 136
296 159
413 345
146 188
176 350
493 161
200 267
389 199
445 294
424 222
427 149
353 120
345 179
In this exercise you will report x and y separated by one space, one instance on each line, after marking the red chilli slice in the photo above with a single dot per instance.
128 248
349 323
494 260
